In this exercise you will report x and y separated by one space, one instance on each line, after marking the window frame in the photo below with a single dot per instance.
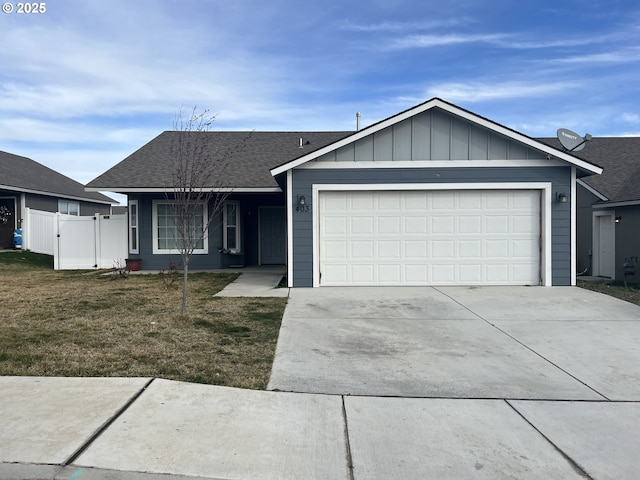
68 203
172 251
237 226
134 230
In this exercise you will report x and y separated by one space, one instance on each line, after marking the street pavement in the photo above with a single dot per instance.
443 383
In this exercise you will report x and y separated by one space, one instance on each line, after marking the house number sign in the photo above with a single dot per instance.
303 208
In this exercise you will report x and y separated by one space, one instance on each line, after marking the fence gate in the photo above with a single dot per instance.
99 241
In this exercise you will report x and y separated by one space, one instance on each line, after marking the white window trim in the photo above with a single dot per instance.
68 202
238 228
137 227
173 251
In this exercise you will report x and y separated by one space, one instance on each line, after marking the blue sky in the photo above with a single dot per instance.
86 83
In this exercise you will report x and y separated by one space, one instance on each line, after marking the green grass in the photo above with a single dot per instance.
78 324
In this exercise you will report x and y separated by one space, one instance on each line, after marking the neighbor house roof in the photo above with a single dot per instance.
620 159
21 174
244 160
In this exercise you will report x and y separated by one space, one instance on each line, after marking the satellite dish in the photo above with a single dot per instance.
571 141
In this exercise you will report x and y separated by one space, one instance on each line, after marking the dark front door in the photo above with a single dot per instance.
7 222
273 236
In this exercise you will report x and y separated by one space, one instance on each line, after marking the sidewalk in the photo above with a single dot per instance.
116 429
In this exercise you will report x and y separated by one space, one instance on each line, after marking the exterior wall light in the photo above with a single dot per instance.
301 201
562 197
618 219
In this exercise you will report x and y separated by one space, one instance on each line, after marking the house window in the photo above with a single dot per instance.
69 208
232 227
133 226
166 238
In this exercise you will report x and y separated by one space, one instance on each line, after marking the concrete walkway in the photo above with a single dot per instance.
256 282
501 421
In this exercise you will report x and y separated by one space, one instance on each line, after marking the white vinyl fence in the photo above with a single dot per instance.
76 243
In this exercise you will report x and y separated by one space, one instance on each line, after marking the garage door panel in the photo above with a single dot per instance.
363 249
389 250
415 249
443 225
361 225
527 224
389 225
470 249
496 249
415 225
496 224
334 225
429 237
469 224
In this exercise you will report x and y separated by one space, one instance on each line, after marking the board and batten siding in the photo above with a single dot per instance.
304 179
433 135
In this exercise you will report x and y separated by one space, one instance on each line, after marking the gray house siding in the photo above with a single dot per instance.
628 241
584 229
151 261
304 179
50 204
433 135
214 259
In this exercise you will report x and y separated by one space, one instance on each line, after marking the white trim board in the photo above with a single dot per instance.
433 164
545 212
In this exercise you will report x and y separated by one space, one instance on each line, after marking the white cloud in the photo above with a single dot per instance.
487 91
394 27
425 41
630 117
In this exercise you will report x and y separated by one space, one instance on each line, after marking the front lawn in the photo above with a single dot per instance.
631 293
61 323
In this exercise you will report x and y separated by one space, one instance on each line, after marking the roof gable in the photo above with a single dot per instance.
442 131
23 174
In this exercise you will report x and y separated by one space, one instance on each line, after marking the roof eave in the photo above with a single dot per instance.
126 190
60 195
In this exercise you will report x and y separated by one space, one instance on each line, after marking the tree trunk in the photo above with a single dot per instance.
185 275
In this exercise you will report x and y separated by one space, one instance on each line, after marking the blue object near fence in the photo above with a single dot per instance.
17 238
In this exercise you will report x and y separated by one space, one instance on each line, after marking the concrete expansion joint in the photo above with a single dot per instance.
549 361
346 440
575 465
74 456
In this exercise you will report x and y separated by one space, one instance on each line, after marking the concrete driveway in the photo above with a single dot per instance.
539 343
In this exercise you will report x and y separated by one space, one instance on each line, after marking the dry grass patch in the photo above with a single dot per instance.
630 293
74 324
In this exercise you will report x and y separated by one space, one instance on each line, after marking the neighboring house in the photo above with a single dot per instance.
435 195
609 209
27 183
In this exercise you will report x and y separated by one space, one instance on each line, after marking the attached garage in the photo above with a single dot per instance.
426 237
435 195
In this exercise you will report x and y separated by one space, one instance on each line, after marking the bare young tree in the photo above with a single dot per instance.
197 185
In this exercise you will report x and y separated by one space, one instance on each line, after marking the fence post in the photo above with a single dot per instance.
97 251
56 241
26 227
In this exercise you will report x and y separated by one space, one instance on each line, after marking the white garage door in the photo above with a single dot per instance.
462 237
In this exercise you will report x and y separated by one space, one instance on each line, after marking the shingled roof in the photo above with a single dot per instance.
620 159
244 159
21 174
